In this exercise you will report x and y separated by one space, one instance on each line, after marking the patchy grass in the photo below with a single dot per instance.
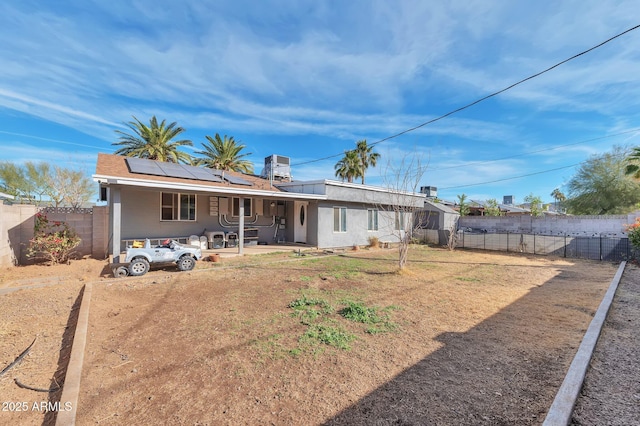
291 355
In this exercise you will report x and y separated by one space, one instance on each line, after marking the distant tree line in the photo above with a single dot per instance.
605 184
45 184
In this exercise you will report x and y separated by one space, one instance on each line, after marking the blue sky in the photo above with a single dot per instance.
307 79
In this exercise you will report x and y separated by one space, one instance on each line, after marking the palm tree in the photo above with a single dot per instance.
349 167
153 142
633 161
367 157
224 154
558 196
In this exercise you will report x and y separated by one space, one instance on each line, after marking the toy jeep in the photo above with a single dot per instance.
139 258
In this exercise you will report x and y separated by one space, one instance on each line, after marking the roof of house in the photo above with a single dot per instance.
116 170
138 172
439 206
5 196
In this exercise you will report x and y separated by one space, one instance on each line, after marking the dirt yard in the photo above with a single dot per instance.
460 338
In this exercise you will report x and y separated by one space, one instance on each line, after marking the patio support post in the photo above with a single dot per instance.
116 221
241 226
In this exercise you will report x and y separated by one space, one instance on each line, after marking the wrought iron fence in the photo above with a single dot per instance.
614 249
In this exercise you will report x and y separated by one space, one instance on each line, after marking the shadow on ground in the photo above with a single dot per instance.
499 372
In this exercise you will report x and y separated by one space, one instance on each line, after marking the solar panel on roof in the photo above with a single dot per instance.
144 166
161 168
204 174
231 179
236 180
176 170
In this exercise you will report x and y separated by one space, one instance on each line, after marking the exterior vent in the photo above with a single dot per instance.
277 167
429 191
507 199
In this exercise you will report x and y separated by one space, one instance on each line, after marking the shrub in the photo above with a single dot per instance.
634 233
52 241
374 242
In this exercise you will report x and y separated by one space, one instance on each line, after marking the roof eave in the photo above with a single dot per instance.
180 186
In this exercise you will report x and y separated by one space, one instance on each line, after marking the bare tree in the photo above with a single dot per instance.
402 181
452 238
58 186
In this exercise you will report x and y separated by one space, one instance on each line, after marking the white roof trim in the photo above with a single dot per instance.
177 186
7 196
350 185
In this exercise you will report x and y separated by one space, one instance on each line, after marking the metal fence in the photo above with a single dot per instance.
614 249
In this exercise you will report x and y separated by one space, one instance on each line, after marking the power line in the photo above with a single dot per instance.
528 174
524 154
511 178
483 98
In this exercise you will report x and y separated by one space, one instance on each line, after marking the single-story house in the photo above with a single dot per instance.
153 199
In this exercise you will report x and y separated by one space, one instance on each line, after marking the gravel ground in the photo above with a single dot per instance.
611 392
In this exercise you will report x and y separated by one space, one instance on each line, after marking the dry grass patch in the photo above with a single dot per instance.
465 337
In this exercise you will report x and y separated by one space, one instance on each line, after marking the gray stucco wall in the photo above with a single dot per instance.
312 224
337 191
357 233
141 218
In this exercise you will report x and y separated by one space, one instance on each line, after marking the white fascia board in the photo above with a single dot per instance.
7 196
184 187
351 185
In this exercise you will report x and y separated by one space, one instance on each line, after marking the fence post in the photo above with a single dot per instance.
565 245
600 246
507 241
534 243
484 241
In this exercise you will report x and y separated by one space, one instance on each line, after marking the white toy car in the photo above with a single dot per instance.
170 251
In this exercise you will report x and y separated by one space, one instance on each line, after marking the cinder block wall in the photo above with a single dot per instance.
100 237
552 225
16 229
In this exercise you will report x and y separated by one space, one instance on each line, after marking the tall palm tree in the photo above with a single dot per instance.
349 167
633 164
154 142
224 154
366 155
558 196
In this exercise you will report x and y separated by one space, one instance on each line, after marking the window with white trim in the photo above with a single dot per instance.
339 219
177 206
372 219
235 210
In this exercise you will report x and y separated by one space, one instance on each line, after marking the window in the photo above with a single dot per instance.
399 221
235 211
372 220
339 219
177 206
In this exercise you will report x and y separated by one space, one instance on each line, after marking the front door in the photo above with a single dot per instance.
300 219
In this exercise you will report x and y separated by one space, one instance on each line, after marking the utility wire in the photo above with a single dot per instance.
621 156
483 98
510 178
524 154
